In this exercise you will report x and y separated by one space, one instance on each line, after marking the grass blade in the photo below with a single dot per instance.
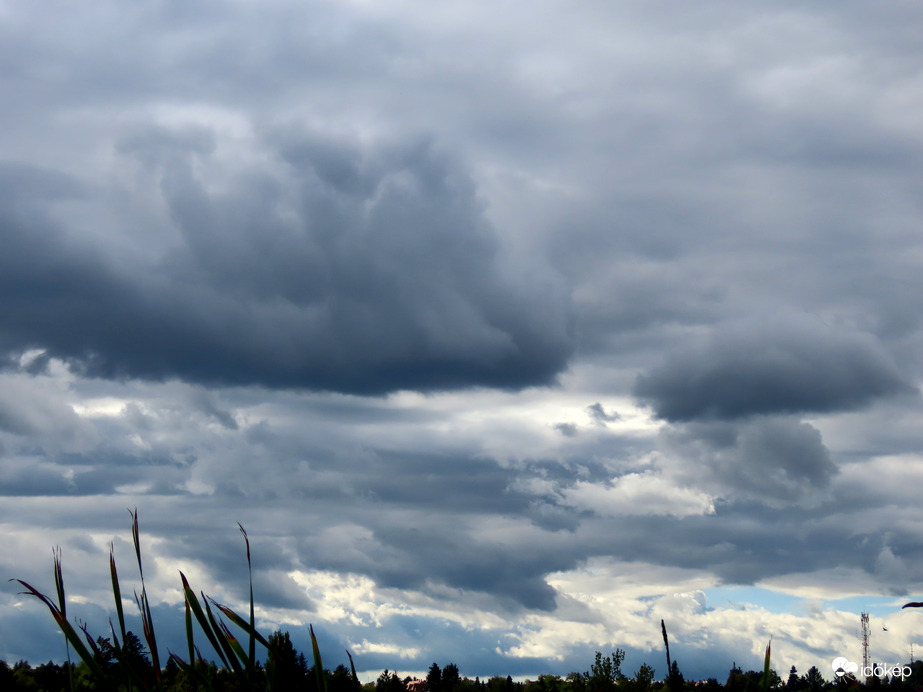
70 633
116 590
243 624
318 665
352 668
117 649
252 647
224 636
136 539
193 603
234 645
764 683
147 622
666 643
59 580
189 638
62 604
130 674
147 625
89 638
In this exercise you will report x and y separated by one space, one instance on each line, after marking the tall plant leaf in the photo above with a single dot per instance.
666 644
318 664
70 633
147 622
224 636
116 590
196 607
189 636
240 622
252 647
352 669
62 604
764 683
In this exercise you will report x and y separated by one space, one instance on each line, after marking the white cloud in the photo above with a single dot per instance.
366 646
638 493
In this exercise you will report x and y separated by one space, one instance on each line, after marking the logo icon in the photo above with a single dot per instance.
843 666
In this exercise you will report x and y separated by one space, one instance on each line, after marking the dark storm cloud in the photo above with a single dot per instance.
771 367
340 269
460 560
744 543
766 459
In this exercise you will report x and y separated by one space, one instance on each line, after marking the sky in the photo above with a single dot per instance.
505 329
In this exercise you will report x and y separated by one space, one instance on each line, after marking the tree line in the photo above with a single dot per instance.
293 672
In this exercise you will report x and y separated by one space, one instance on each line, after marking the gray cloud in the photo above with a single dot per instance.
567 429
772 460
599 414
217 244
771 368
295 279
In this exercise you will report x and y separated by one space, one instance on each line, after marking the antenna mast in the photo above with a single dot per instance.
865 641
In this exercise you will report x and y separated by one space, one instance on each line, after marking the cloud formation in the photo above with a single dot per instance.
771 367
336 269
495 330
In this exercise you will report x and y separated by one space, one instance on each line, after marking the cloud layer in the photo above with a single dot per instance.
496 330
771 367
339 270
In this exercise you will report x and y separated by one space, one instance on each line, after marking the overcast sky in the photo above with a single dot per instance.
505 329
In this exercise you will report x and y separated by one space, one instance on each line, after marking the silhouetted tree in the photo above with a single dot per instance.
737 681
916 675
7 681
341 680
549 683
450 677
434 678
576 682
291 671
498 683
389 682
606 672
130 662
709 685
50 676
172 675
642 681
675 680
813 680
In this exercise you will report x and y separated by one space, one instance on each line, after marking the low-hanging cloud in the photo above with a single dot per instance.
773 460
787 367
336 267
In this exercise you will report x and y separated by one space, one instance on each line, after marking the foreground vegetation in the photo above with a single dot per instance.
120 661
123 662
294 673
